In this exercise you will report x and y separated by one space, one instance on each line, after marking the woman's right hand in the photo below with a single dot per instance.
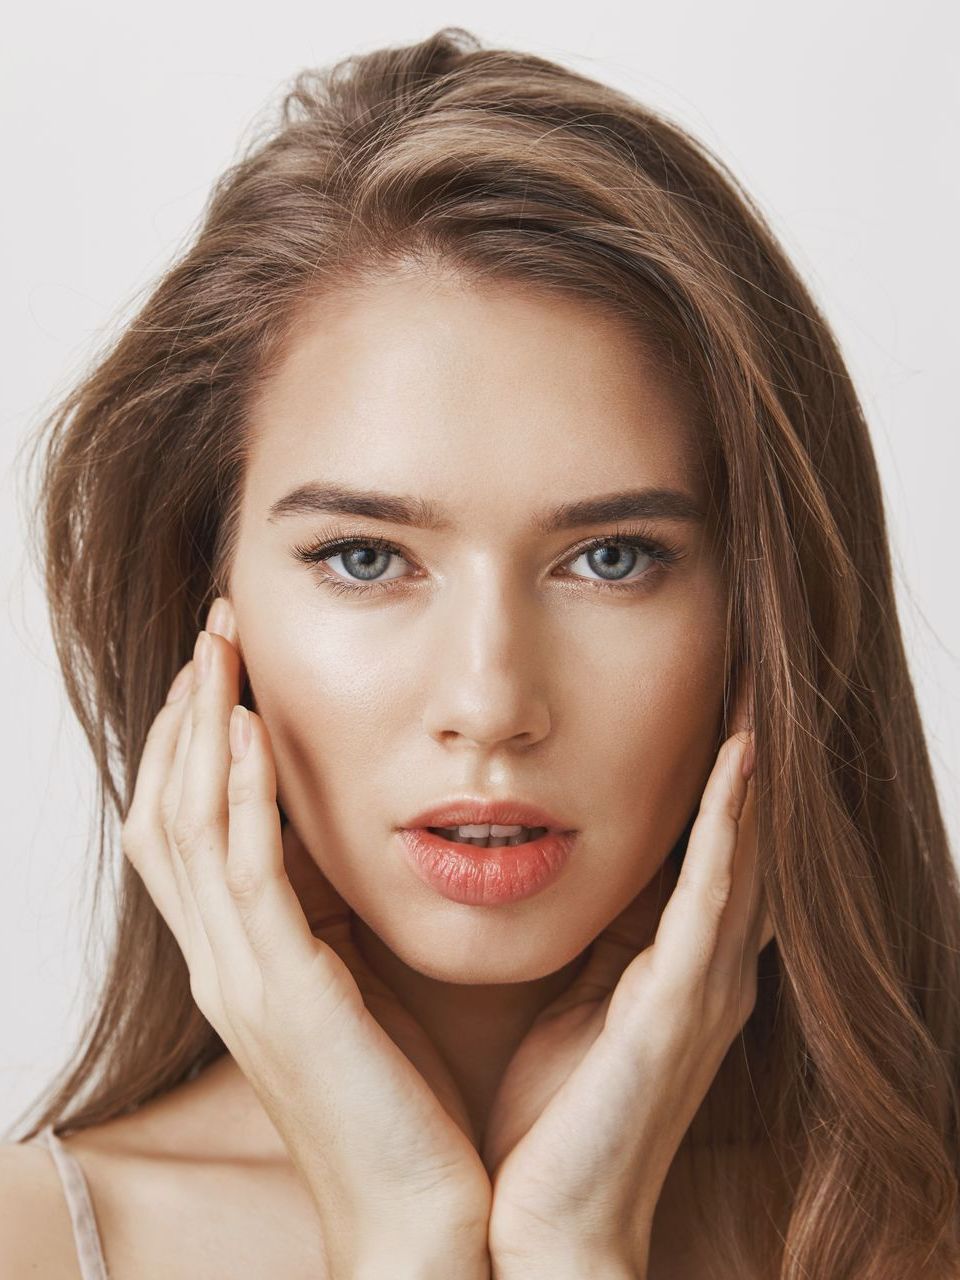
387 1156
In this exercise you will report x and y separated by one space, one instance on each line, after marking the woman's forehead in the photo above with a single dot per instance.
495 383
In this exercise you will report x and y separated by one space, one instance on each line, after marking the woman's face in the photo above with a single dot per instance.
490 658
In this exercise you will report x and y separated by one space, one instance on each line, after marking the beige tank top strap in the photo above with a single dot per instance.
77 1195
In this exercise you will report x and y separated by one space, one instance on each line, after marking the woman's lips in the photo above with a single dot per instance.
486 877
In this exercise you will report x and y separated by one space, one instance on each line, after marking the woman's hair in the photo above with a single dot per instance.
838 1102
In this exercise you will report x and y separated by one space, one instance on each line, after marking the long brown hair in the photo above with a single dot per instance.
494 164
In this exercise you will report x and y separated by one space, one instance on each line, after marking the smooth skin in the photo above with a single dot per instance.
368 1134
640 1033
488 657
595 1103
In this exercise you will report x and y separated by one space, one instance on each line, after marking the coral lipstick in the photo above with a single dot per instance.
486 877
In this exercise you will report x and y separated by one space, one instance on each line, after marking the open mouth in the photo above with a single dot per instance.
498 838
487 865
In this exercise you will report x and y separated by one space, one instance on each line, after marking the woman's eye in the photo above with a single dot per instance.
615 561
366 562
632 560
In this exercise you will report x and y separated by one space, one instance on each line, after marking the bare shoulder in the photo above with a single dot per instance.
171 1186
36 1235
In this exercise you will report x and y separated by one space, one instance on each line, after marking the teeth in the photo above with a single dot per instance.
481 830
490 834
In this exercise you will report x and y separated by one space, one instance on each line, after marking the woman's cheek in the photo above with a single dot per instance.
674 709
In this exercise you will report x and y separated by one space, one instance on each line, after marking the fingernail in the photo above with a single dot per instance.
749 758
239 732
201 655
217 617
181 683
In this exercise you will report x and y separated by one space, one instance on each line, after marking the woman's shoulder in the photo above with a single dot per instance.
170 1194
36 1234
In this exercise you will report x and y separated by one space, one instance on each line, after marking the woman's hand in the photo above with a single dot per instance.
595 1102
387 1156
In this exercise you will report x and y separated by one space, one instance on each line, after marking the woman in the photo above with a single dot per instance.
506 465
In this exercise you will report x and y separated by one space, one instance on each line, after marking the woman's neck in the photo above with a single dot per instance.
476 1028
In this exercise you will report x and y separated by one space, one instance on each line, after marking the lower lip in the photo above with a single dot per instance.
487 877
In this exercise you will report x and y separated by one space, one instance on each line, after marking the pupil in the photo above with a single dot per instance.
612 556
363 557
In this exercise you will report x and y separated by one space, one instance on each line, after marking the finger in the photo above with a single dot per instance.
742 718
736 951
256 876
200 826
687 937
326 912
143 839
198 945
222 621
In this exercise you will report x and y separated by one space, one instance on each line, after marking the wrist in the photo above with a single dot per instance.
567 1264
407 1263
414 1269
566 1268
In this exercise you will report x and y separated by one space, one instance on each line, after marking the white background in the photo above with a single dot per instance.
840 119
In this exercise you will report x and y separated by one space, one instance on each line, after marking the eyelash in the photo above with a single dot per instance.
662 552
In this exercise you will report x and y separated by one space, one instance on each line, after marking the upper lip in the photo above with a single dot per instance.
471 810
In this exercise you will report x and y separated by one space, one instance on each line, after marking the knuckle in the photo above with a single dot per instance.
705 897
717 893
241 791
244 880
187 830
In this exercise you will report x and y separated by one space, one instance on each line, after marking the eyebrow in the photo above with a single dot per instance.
338 499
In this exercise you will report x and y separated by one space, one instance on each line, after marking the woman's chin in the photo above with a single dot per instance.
488 965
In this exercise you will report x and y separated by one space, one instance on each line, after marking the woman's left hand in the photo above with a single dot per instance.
595 1102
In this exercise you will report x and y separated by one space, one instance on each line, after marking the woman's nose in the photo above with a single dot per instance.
489 680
